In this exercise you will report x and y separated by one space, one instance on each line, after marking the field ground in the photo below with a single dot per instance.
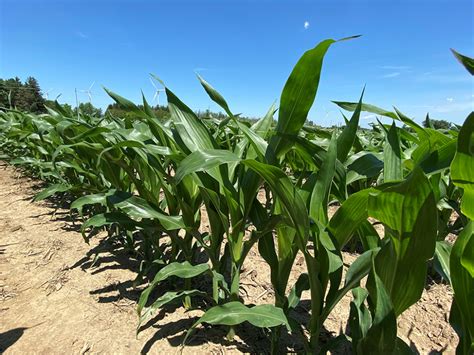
53 301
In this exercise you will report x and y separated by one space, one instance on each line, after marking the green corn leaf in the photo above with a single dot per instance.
138 208
462 171
435 151
191 129
368 236
100 198
106 219
125 104
392 170
233 313
298 95
51 190
360 318
462 279
204 160
320 194
397 115
349 216
381 337
182 270
440 158
363 165
285 191
168 297
352 106
408 211
441 259
356 272
302 284
263 125
215 96
259 144
467 62
346 139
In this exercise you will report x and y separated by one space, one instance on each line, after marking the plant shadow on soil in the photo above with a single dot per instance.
10 337
248 339
110 255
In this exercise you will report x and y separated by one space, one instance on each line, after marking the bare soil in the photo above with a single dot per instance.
54 301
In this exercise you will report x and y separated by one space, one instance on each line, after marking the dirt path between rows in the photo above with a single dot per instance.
52 301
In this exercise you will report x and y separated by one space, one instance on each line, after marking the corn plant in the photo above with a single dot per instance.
148 182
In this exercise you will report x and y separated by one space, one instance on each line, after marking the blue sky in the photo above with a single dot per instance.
246 50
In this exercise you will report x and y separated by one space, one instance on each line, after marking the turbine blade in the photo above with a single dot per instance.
153 83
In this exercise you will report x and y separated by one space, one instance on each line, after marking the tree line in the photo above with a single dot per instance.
28 97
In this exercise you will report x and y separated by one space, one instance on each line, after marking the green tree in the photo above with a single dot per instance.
87 108
24 97
436 124
33 100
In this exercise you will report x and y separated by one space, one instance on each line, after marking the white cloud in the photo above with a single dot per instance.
395 67
81 34
443 78
454 107
306 25
391 75
461 103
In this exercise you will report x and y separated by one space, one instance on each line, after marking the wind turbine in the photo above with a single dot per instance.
88 91
157 93
46 94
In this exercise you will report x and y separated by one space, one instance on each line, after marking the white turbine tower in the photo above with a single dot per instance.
46 94
157 93
88 91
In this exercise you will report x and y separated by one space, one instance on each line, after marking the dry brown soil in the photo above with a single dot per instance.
52 301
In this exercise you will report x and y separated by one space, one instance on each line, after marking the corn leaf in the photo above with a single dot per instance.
233 313
467 62
462 171
408 211
182 270
462 280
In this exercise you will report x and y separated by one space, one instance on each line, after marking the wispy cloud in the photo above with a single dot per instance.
454 107
395 67
392 71
443 78
391 75
450 106
81 34
306 25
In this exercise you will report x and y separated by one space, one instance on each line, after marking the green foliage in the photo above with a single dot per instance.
21 96
146 174
436 124
86 108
